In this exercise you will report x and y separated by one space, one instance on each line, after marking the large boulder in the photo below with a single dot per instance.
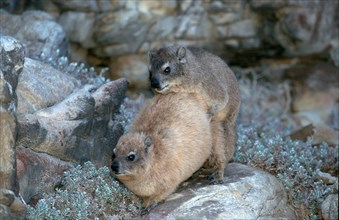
247 193
79 128
11 64
41 86
329 208
38 173
37 31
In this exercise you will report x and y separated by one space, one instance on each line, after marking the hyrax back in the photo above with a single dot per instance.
191 70
169 140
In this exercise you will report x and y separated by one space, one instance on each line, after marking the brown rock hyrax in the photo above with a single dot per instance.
169 140
181 69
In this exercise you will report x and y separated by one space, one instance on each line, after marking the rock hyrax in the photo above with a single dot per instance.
181 69
169 140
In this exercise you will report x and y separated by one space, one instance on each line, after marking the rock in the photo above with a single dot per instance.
326 178
79 27
38 172
240 29
329 207
79 105
6 197
11 62
11 59
132 67
319 134
5 212
88 5
304 30
247 193
18 207
115 33
38 32
314 86
62 126
78 129
109 96
41 86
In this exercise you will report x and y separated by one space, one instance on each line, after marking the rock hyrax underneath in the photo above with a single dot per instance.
169 140
181 69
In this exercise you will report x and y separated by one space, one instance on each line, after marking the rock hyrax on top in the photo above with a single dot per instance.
181 69
169 140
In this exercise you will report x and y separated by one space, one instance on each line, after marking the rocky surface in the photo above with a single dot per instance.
329 207
40 86
11 64
37 31
49 122
247 193
241 32
36 168
59 121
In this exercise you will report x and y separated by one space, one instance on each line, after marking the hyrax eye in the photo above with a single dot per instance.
167 70
131 157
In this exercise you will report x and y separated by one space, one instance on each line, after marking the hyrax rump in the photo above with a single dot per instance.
181 69
169 140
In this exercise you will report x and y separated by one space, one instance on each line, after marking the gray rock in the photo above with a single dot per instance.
240 29
306 30
79 27
79 128
11 62
38 172
11 59
109 96
5 212
59 128
41 86
79 105
76 5
329 207
247 193
326 177
6 197
37 31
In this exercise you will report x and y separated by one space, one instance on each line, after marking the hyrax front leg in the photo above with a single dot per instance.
151 202
217 159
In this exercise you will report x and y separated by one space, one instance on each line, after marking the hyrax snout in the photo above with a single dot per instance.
178 69
169 140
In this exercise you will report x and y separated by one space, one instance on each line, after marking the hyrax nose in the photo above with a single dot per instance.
115 166
155 83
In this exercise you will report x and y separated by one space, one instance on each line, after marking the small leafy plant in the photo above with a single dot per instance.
87 193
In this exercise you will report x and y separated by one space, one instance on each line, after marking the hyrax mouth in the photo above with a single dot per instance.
162 89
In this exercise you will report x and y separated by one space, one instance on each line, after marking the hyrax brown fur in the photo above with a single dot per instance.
169 140
181 69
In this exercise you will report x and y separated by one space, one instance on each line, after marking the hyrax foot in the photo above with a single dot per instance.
216 178
147 209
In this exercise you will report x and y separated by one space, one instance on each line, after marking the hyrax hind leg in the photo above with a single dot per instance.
217 160
230 130
230 140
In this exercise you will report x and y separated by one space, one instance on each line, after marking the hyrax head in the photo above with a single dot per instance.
167 68
131 155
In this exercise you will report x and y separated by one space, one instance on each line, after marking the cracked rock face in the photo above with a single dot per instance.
247 193
11 64
37 31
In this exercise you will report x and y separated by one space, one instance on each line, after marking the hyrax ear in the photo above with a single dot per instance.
150 55
148 143
181 54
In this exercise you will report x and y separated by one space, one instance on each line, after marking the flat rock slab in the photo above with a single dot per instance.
247 193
